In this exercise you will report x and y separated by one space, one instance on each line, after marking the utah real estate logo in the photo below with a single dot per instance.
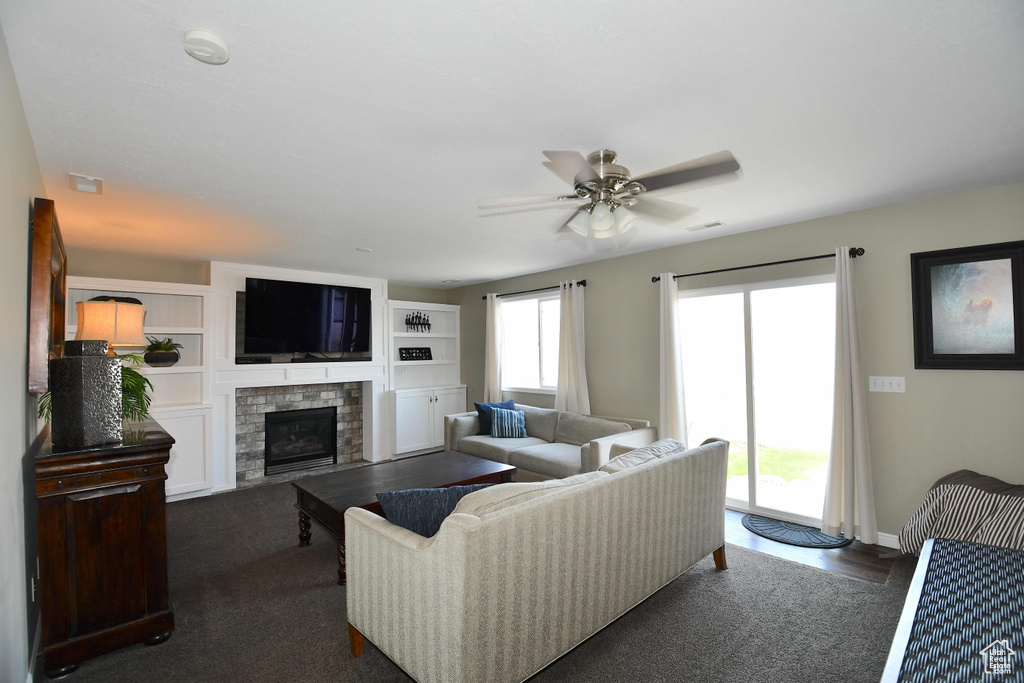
998 658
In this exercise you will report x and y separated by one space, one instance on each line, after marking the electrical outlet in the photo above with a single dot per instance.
892 385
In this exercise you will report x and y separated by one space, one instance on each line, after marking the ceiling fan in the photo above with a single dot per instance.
603 190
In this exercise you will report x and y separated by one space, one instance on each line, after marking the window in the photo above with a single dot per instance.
529 343
764 382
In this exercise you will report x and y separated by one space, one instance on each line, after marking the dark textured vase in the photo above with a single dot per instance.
85 396
161 359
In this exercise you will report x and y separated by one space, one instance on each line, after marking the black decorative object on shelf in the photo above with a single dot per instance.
85 391
409 353
417 322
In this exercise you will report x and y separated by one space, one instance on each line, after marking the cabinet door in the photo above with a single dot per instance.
446 402
413 419
189 466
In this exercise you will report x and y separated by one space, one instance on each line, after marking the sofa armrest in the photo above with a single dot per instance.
598 451
458 426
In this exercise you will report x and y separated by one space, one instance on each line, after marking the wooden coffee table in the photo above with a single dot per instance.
325 498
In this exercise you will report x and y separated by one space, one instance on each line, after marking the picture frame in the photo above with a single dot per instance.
415 353
47 295
968 306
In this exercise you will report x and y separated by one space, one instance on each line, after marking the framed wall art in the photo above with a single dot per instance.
969 307
47 295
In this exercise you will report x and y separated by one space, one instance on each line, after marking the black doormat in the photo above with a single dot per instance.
793 534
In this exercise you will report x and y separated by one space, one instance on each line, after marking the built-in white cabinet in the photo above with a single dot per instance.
181 393
419 416
423 391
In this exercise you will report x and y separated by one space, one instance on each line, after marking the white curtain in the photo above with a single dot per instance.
849 499
572 393
492 351
673 413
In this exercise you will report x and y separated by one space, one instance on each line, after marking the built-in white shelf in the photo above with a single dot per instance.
181 393
409 363
172 370
425 335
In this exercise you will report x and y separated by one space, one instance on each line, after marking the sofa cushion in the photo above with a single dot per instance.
508 424
422 510
540 422
501 496
641 455
483 411
579 429
550 459
494 449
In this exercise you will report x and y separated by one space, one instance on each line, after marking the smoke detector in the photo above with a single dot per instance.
206 46
85 183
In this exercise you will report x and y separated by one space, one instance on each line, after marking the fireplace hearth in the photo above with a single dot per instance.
300 439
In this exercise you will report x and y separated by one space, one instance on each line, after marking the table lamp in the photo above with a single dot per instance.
115 320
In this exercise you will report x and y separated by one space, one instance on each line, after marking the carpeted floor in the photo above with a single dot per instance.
250 605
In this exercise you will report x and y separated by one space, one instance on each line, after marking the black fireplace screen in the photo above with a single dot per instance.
297 439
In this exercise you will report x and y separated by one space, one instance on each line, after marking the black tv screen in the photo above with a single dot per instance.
301 317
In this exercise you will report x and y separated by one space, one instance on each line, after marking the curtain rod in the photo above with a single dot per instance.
579 283
854 253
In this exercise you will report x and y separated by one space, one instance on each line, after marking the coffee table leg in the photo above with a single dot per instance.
341 564
305 535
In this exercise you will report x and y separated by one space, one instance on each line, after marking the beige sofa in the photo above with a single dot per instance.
521 573
558 444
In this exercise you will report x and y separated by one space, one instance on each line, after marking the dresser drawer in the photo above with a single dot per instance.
56 486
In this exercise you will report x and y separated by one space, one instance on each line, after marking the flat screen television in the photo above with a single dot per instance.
301 317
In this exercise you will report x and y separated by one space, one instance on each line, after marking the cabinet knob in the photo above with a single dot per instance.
145 471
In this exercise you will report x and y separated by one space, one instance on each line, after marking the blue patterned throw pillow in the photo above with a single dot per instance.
422 510
508 424
484 410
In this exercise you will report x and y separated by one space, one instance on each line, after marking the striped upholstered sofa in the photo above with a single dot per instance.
521 573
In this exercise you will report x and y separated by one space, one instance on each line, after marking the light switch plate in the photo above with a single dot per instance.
894 385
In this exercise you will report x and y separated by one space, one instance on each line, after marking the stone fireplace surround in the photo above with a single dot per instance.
252 403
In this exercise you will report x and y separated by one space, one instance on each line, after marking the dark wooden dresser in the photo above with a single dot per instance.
103 547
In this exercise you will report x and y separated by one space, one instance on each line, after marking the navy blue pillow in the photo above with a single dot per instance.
422 510
484 411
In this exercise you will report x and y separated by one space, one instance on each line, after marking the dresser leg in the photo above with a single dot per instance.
157 639
305 535
61 672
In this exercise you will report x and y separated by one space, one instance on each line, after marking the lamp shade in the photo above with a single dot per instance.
624 219
580 223
601 219
116 322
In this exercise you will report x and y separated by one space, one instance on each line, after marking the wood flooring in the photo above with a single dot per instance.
856 560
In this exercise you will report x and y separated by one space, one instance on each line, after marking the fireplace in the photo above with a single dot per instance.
298 439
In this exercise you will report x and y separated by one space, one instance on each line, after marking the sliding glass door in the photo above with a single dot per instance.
758 370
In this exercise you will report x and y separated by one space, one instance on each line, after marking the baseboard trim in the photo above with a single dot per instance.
888 540
34 654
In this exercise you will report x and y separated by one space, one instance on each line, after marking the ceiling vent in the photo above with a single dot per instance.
695 228
84 183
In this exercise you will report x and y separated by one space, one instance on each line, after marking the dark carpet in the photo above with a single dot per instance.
792 533
250 605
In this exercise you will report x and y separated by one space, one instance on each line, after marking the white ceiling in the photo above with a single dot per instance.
338 125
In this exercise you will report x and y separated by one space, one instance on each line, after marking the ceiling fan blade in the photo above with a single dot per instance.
524 209
506 202
570 166
718 164
565 226
662 211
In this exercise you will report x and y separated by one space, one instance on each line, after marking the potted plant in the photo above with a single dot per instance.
135 398
161 353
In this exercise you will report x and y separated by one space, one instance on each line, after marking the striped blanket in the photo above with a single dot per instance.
967 506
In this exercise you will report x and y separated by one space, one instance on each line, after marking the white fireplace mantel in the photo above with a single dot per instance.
228 278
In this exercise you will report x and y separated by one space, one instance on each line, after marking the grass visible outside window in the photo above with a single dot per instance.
786 463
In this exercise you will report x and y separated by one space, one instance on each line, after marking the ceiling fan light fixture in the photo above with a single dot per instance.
601 218
580 223
625 219
604 234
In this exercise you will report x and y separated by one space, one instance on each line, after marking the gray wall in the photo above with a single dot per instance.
411 293
124 266
947 420
20 182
